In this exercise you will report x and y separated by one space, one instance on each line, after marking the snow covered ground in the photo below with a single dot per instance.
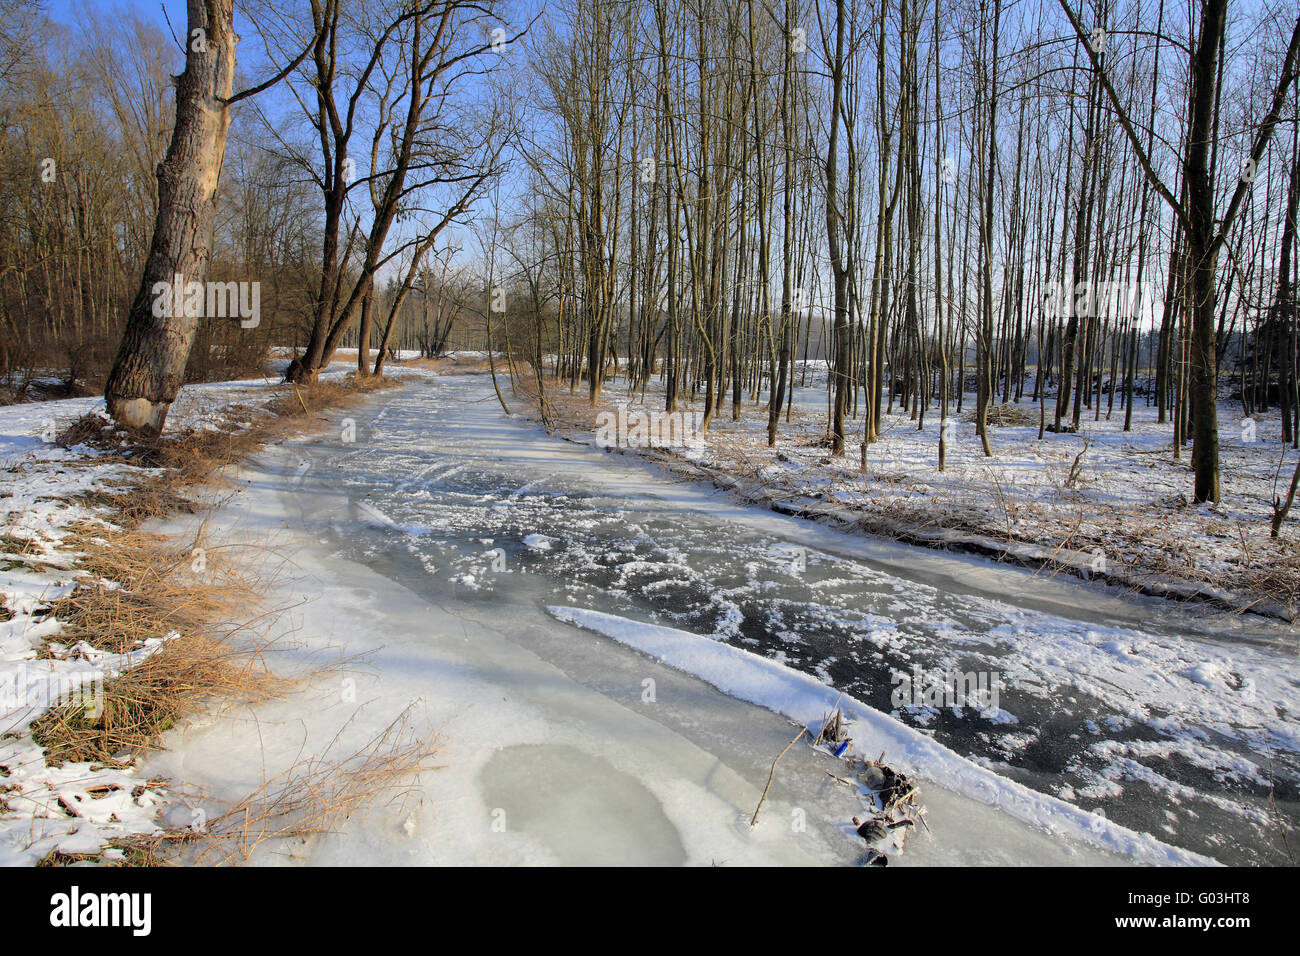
44 490
443 555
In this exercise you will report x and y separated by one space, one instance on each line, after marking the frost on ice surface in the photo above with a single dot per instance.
540 542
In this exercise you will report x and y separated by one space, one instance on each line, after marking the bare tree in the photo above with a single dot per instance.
1203 232
155 348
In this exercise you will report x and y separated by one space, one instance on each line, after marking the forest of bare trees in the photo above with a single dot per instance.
445 432
328 148
1072 206
1075 207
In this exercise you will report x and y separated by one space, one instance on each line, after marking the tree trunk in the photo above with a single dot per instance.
363 333
834 219
150 365
1201 256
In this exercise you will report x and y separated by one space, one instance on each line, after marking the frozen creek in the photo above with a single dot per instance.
425 547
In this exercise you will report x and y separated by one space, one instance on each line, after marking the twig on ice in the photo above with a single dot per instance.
772 773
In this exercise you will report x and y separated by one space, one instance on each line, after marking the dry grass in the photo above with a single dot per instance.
156 589
313 797
158 592
139 705
153 496
1275 575
295 402
317 795
573 409
447 366
197 455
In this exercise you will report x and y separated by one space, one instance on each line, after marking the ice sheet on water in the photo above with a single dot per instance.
777 687
628 542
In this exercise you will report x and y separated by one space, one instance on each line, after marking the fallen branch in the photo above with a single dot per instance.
772 774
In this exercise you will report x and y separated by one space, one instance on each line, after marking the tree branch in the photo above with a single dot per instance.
1152 176
1261 138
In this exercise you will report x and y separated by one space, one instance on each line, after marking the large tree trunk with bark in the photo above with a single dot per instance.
834 220
1201 256
1284 302
150 365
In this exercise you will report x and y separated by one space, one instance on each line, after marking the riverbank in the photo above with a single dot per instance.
111 632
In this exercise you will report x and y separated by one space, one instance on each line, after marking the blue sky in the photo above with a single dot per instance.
251 68
66 11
